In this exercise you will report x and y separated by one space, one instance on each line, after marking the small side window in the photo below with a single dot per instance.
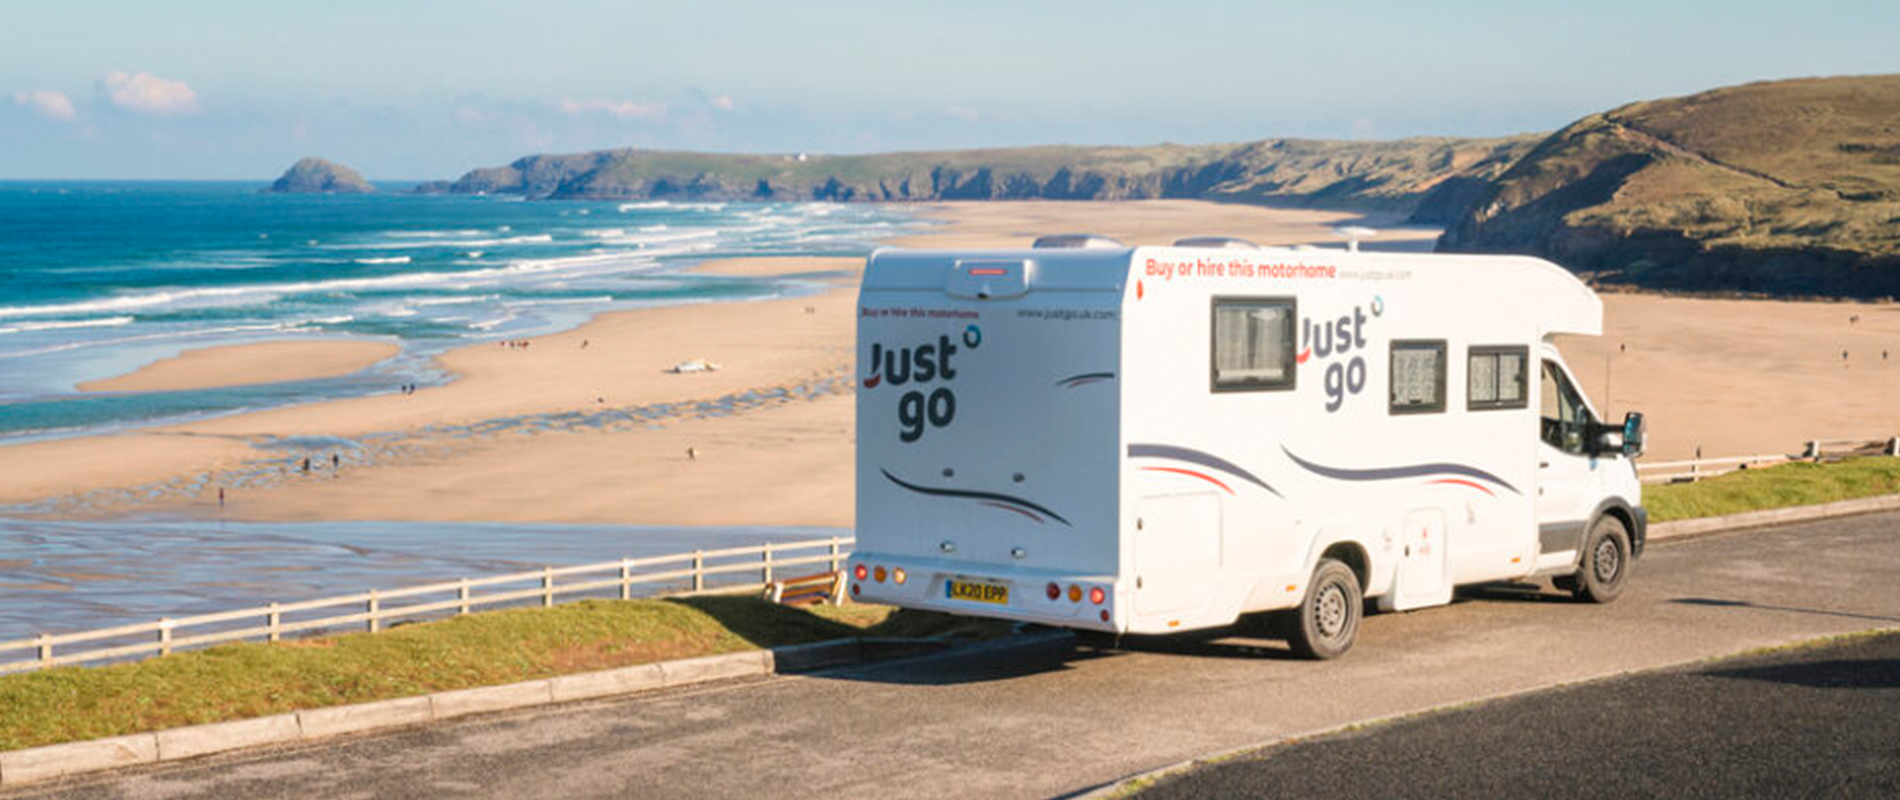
1253 344
1418 376
1497 377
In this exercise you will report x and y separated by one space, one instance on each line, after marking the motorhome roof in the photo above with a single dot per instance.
1086 241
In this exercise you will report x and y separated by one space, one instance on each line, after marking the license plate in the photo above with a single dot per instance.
978 592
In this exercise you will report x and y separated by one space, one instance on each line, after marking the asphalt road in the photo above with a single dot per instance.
1814 722
1050 719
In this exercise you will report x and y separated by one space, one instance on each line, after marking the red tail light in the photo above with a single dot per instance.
1053 591
861 572
1097 596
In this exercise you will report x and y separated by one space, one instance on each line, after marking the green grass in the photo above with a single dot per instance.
1797 484
252 679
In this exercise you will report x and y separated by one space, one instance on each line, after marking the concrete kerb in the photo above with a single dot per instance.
38 764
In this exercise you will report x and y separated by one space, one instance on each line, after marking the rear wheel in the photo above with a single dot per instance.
1606 561
1327 620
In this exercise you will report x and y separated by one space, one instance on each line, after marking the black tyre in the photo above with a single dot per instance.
1606 561
1327 620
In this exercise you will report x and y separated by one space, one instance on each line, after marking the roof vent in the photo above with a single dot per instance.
1353 234
1217 243
1082 241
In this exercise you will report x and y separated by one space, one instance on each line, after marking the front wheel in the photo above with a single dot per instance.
1606 562
1327 620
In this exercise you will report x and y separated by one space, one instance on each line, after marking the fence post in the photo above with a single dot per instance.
46 650
1814 450
765 574
164 636
626 579
375 609
461 593
834 554
547 587
275 622
699 571
1893 446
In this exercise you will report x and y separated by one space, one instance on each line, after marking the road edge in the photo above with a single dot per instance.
1134 784
50 762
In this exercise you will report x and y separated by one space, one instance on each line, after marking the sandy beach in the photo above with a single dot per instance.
249 364
591 425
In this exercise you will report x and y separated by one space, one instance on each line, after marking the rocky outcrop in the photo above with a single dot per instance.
311 175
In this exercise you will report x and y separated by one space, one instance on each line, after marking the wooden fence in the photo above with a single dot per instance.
699 572
1695 469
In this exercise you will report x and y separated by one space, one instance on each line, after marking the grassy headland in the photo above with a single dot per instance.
1785 187
1428 174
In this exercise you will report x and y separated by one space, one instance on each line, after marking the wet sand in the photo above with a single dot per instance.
249 364
590 426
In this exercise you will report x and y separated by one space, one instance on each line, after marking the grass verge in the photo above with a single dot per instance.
1796 484
244 680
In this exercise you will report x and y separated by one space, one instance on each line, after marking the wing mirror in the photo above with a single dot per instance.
1635 429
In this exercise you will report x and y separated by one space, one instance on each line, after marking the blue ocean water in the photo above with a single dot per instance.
99 278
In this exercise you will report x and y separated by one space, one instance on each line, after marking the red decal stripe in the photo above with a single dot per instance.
1190 473
1012 508
1303 356
1462 482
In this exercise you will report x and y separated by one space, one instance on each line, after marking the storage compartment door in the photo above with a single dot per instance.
1177 552
1425 561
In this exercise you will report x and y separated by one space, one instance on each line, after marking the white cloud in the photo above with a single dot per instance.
622 109
722 102
963 113
148 93
47 103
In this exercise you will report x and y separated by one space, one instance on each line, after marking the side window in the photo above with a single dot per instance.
1253 344
1564 417
1496 377
1418 376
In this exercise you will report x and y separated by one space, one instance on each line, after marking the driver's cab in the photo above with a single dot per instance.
1585 467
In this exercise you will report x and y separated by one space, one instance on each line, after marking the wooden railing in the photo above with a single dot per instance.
700 572
1695 469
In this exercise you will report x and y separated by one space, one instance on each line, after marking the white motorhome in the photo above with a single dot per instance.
1159 439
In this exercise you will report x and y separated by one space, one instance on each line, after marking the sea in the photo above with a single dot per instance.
97 279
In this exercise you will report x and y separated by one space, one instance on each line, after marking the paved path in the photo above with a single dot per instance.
1809 722
1048 720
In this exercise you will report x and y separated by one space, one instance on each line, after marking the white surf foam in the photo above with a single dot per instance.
66 324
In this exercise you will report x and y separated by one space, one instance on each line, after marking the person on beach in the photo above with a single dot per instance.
306 465
336 462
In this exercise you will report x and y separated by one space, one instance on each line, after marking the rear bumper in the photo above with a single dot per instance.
927 585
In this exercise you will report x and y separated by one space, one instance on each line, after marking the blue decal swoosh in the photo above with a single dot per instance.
1001 498
1388 473
1197 457
1086 376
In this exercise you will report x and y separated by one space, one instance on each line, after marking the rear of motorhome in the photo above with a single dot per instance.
1160 439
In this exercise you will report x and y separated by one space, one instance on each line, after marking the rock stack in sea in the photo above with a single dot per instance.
311 175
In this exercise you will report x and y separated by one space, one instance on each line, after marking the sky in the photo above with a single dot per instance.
212 89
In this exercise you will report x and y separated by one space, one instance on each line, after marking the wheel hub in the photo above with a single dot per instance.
1608 561
1329 613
